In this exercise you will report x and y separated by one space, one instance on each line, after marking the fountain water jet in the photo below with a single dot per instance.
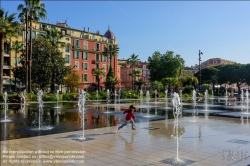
115 96
166 95
6 119
156 95
147 100
57 99
141 95
40 113
194 104
40 101
81 106
177 113
206 102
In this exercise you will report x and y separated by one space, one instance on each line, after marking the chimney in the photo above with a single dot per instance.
88 29
84 29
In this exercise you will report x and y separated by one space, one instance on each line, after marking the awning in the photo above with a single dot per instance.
101 84
119 86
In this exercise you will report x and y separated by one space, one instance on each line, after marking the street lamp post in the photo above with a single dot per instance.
200 53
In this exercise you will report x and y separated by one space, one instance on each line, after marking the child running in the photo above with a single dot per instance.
129 117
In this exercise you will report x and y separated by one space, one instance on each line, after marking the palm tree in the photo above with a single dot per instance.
140 82
111 51
31 10
17 46
98 73
53 36
113 81
133 61
135 74
8 28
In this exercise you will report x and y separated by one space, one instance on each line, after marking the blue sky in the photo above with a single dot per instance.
220 29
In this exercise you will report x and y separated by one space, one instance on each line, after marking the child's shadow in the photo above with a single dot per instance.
128 144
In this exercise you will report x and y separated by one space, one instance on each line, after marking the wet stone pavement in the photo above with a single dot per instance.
199 141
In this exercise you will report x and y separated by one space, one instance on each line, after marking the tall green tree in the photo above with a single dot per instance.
168 64
98 73
43 69
17 47
54 37
31 10
209 75
230 74
8 28
245 72
133 61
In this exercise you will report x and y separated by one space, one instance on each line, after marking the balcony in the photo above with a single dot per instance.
6 77
6 66
93 61
76 47
6 54
6 82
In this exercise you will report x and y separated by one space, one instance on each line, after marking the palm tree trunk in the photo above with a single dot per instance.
16 66
1 61
30 56
98 83
133 77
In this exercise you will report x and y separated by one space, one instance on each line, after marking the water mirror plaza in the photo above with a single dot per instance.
169 131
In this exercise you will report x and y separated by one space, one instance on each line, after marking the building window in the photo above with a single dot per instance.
85 56
85 77
97 66
76 43
33 35
67 58
77 65
76 54
104 68
104 58
85 44
214 62
97 46
97 57
17 60
67 48
67 38
93 36
85 66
